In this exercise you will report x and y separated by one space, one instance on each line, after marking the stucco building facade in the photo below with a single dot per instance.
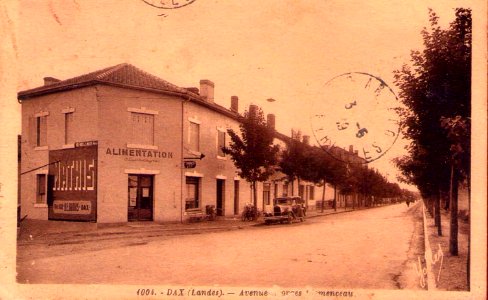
120 144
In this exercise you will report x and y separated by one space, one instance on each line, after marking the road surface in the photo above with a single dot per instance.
374 248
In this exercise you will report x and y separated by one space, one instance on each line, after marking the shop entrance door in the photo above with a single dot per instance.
220 197
140 198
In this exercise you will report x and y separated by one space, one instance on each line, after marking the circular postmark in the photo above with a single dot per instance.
355 110
168 4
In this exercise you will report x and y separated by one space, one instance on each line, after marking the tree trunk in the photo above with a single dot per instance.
323 195
437 213
255 194
453 238
468 265
430 206
446 201
335 198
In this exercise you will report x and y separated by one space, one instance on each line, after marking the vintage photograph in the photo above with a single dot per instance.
204 149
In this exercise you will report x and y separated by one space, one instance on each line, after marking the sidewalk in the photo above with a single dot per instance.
32 230
449 272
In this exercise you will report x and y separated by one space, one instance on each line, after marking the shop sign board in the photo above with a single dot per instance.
72 183
80 207
190 164
85 144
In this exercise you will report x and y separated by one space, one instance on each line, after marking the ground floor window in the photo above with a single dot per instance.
192 193
236 197
311 192
41 189
267 193
285 189
301 191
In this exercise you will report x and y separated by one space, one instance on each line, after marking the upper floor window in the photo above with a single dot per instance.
41 130
142 128
194 137
68 128
220 142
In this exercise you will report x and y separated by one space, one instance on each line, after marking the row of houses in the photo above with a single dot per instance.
119 144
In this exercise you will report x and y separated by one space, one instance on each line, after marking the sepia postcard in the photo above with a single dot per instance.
259 149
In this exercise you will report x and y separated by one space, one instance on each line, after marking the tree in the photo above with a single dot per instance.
253 152
294 159
436 91
320 168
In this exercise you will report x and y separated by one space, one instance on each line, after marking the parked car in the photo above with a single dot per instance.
286 209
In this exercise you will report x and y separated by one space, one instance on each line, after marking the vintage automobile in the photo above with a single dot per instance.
286 209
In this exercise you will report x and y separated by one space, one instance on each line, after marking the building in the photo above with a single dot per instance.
120 144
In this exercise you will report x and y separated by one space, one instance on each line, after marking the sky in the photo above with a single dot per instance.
286 50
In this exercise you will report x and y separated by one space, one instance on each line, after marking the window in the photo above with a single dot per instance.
285 189
220 143
41 131
275 194
301 191
192 193
41 189
194 137
236 197
267 193
311 192
68 128
142 128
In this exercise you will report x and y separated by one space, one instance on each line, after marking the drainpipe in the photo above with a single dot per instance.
182 182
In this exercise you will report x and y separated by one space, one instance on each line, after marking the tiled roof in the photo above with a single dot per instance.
123 75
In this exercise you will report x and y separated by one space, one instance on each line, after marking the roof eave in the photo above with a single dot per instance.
24 95
28 94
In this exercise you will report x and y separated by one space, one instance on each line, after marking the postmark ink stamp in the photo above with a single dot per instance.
168 4
356 109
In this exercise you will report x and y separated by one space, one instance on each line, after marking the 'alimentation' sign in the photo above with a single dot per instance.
72 183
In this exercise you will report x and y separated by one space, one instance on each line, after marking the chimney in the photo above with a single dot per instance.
296 134
351 149
207 90
253 110
306 139
271 121
234 104
50 80
356 152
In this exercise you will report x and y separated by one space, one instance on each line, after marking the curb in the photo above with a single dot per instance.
431 285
